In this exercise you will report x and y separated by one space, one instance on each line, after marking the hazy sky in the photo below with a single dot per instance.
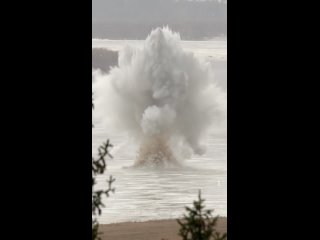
134 18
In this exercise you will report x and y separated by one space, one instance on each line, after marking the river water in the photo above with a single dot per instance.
143 194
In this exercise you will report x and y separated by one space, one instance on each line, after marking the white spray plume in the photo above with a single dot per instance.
162 96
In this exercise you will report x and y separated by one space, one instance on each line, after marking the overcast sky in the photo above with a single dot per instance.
116 19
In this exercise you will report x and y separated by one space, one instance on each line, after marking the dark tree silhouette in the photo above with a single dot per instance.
199 223
98 168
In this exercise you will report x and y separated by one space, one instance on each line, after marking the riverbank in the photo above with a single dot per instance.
149 230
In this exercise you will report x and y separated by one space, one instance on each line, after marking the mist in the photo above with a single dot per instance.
165 98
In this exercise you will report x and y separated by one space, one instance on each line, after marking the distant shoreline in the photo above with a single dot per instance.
154 229
222 38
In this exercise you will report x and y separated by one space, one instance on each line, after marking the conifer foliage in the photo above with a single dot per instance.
198 223
98 168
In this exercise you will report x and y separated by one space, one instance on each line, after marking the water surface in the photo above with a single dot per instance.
145 194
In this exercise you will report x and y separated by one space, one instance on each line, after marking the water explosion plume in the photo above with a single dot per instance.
164 97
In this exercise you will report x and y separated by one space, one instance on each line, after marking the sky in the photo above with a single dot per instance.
133 19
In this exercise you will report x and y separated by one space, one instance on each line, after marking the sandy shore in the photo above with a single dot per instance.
150 230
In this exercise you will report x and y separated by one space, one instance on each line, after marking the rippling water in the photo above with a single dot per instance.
145 194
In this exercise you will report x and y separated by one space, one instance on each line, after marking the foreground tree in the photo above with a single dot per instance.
98 168
199 223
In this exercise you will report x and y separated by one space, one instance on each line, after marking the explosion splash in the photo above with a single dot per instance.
163 97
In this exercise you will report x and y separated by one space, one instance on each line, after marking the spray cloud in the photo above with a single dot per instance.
162 96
